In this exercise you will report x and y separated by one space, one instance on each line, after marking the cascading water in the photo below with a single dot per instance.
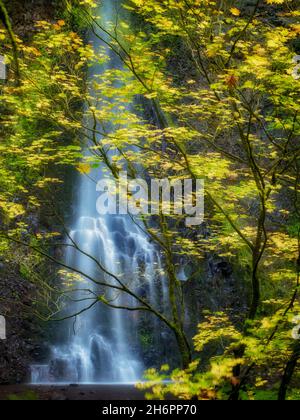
102 344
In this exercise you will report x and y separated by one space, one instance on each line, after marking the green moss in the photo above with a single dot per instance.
26 396
146 339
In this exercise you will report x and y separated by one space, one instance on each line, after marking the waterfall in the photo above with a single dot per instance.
102 344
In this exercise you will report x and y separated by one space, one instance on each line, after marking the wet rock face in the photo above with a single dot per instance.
20 346
13 366
219 267
25 12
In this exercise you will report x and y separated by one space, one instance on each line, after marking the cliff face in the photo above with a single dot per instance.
23 332
25 12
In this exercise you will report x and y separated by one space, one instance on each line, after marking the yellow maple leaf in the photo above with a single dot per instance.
84 168
275 1
235 12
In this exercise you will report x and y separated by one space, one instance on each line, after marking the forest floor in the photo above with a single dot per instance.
70 392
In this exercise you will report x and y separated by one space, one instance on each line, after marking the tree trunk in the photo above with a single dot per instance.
289 372
184 348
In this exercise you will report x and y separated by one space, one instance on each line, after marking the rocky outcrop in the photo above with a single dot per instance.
22 329
25 12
